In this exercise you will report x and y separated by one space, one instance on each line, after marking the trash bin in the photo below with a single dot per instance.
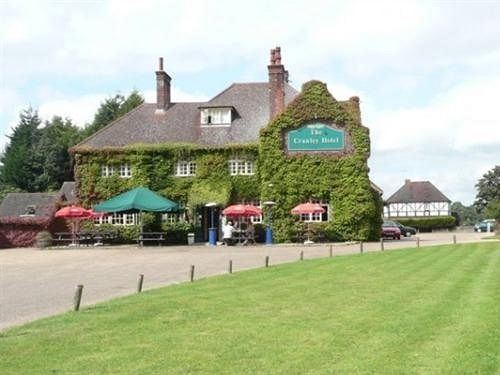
190 238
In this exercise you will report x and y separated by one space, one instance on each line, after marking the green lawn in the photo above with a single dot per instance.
431 310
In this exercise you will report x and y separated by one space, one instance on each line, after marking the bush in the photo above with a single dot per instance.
427 224
177 232
43 240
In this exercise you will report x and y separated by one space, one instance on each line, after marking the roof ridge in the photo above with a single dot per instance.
220 93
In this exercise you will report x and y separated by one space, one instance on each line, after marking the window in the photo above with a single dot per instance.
185 168
317 217
125 171
107 170
117 219
172 217
241 167
216 116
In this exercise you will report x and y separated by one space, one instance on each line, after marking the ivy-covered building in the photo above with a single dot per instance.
252 142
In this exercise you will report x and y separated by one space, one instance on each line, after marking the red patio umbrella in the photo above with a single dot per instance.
239 210
76 213
308 208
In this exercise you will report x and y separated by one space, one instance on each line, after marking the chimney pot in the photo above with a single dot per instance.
161 64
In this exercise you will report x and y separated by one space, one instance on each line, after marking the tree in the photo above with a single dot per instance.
53 162
18 169
488 188
467 215
492 210
111 109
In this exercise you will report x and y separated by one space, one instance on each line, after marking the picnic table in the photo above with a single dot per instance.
158 237
84 238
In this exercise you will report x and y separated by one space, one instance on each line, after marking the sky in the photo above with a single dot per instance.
427 72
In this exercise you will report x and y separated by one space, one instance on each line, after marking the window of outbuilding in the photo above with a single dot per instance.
125 171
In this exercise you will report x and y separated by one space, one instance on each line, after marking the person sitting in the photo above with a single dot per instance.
227 233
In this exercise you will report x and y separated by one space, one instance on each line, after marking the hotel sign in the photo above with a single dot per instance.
316 137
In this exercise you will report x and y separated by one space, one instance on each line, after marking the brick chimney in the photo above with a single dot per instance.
277 78
162 88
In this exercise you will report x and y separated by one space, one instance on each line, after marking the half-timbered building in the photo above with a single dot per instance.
417 198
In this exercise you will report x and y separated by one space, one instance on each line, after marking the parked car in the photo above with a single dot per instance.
483 225
406 231
391 230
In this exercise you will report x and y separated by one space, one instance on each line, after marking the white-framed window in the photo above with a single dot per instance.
125 171
215 116
172 217
107 170
185 168
117 219
317 217
241 167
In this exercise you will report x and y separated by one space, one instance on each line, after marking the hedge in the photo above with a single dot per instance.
426 224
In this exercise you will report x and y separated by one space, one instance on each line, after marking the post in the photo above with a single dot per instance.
382 244
331 251
361 247
418 242
454 239
78 297
267 261
191 273
230 266
302 255
139 283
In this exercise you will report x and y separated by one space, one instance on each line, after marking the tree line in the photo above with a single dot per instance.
36 157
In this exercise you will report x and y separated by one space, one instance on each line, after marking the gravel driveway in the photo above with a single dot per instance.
39 283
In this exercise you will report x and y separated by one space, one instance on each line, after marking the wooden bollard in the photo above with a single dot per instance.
361 247
230 268
267 261
382 244
331 251
418 242
78 297
191 273
301 255
454 239
139 283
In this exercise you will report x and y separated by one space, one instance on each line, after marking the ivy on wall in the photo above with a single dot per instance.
340 179
153 166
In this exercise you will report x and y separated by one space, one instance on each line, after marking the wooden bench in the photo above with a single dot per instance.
151 237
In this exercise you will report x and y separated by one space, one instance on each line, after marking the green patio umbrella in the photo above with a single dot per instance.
137 200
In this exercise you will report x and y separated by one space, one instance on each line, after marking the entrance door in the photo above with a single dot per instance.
206 220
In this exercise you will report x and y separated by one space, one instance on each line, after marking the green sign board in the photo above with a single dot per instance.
316 137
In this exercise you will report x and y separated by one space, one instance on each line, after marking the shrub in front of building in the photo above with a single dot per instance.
427 224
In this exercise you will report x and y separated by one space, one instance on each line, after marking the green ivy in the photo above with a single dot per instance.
340 179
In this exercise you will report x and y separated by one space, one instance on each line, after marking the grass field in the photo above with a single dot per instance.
432 310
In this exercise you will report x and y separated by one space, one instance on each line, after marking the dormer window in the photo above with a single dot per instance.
216 116
29 211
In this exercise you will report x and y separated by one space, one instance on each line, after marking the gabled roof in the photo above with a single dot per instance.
16 204
417 191
180 123
67 192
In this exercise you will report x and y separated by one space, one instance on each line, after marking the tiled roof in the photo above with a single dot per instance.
16 204
67 192
180 123
417 191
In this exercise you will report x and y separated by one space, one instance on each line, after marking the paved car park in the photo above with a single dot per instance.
39 283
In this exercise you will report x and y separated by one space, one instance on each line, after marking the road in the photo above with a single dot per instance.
39 283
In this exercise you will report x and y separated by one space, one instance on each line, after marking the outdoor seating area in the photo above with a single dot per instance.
84 238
